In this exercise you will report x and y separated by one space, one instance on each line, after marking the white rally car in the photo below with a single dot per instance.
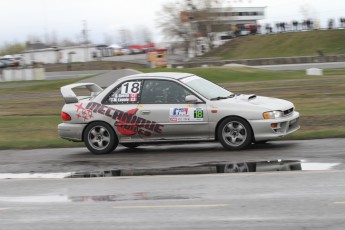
171 107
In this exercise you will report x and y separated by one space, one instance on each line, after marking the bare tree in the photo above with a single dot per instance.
143 35
189 19
67 42
174 21
12 48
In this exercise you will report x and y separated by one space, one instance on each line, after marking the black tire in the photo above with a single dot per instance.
297 166
100 138
235 133
260 142
130 145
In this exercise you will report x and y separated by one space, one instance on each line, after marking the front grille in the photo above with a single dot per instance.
288 112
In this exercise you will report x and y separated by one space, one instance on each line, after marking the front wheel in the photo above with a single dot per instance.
235 133
100 138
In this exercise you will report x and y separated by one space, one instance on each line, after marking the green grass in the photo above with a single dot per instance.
31 132
37 86
29 115
237 74
317 134
282 45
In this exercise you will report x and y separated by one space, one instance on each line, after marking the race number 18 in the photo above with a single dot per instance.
198 114
130 87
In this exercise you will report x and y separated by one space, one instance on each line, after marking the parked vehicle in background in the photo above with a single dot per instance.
10 62
3 64
136 51
118 52
126 51
171 107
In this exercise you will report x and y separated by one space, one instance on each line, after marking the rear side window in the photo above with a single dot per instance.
126 93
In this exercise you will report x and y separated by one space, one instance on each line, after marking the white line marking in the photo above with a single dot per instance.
173 206
340 202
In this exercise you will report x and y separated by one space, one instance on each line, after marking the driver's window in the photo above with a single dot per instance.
126 93
163 92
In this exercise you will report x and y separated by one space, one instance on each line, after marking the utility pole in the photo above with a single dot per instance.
123 38
86 40
192 28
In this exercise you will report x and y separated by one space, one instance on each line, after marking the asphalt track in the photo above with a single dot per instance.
262 200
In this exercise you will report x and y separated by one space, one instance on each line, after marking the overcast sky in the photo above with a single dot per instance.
20 19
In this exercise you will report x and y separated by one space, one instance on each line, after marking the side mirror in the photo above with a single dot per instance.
192 99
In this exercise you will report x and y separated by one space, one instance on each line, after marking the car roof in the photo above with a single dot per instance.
159 75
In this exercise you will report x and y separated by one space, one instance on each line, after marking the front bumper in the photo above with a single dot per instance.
263 131
72 132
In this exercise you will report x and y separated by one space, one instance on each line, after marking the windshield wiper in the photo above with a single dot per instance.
219 98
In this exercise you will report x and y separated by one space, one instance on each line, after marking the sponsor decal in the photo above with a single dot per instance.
133 97
124 97
198 113
180 111
186 114
127 123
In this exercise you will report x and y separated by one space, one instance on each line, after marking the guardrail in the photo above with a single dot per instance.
263 61
23 74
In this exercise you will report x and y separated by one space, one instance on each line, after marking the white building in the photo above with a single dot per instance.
223 24
240 15
67 54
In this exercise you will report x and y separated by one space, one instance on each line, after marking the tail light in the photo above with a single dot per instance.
65 116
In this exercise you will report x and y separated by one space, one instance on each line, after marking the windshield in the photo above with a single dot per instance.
206 88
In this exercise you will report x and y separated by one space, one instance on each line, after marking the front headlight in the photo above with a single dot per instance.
273 114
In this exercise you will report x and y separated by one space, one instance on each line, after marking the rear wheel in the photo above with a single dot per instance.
234 168
234 133
100 138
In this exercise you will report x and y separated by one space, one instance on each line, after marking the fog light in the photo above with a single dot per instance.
274 125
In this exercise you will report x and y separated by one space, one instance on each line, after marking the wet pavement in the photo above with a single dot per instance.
265 200
199 158
279 185
229 167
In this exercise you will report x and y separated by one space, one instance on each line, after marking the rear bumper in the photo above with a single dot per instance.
72 132
286 125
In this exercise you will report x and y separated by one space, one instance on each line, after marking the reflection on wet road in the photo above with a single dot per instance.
207 168
89 198
173 159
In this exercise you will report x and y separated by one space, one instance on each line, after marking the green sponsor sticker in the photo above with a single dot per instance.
198 114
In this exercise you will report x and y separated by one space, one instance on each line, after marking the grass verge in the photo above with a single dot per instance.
282 45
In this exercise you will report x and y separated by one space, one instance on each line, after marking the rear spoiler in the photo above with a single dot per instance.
70 97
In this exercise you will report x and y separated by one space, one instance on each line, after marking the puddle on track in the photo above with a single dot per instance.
208 168
140 196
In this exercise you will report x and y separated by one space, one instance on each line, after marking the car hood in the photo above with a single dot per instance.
268 103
